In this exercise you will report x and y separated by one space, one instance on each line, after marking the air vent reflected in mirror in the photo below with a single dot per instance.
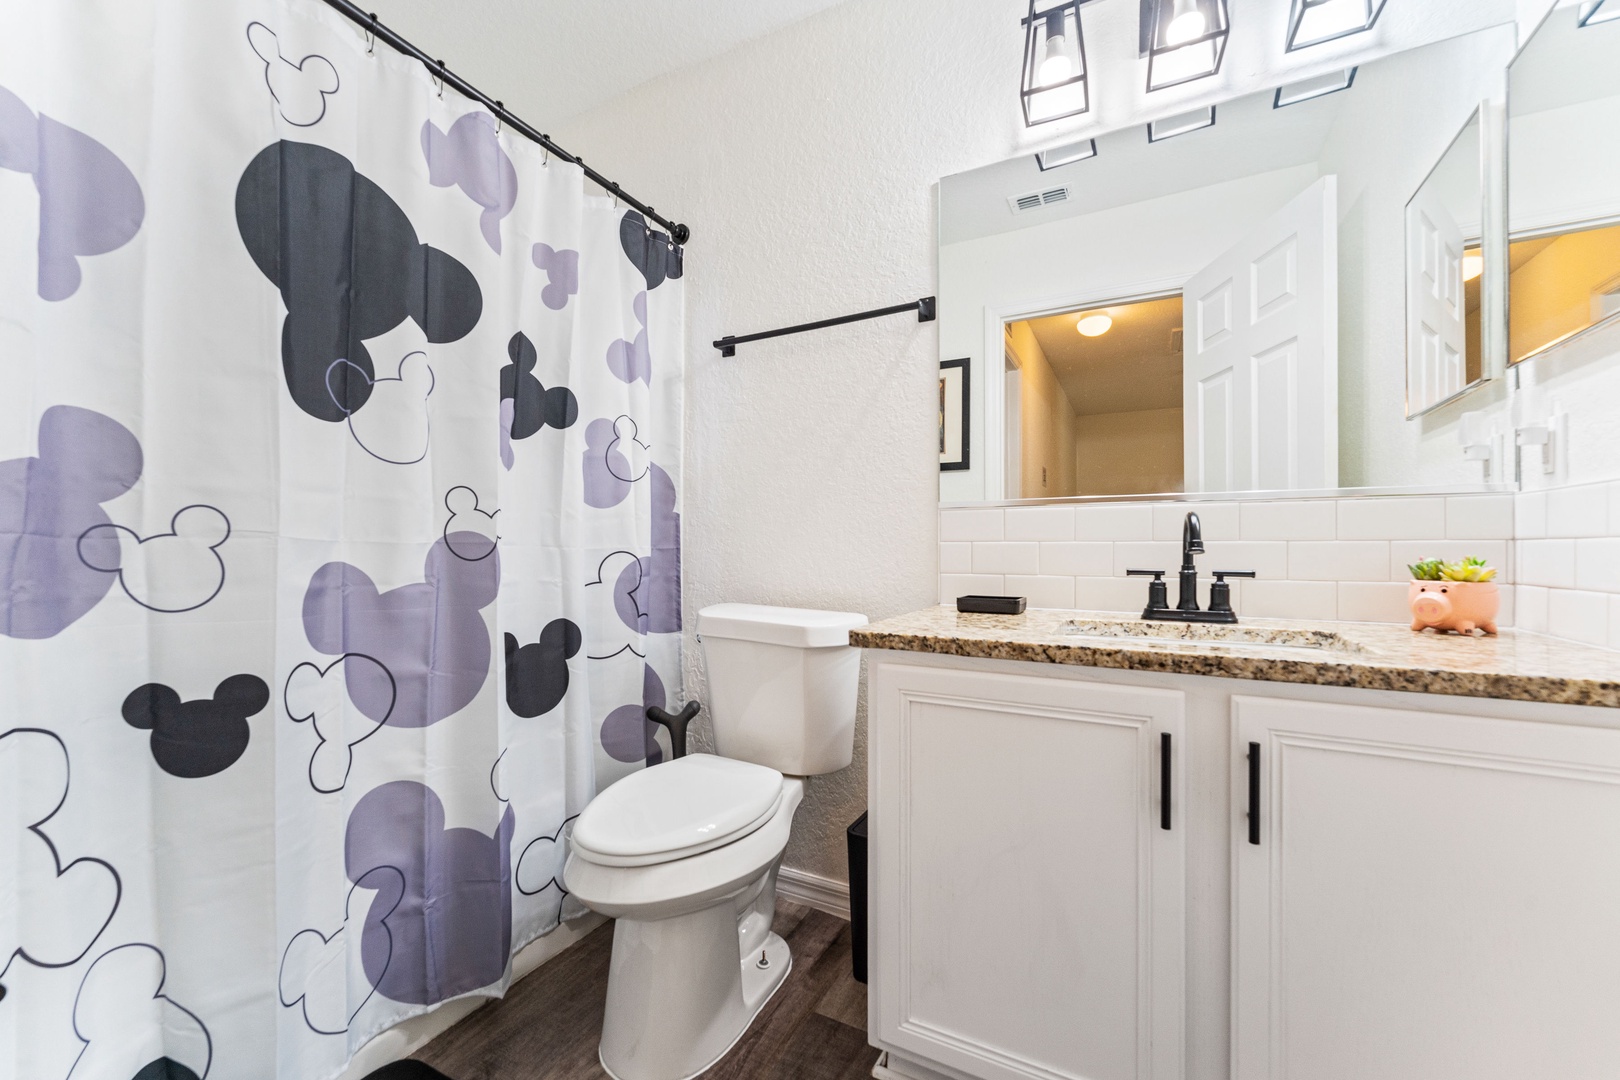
1034 200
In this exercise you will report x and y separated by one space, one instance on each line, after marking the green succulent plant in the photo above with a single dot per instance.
1469 569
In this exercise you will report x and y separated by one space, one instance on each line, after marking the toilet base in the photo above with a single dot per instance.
679 998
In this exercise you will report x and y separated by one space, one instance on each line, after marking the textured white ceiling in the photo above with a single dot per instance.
549 60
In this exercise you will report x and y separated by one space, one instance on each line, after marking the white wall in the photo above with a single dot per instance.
805 163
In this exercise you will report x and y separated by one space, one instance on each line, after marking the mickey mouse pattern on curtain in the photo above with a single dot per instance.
339 536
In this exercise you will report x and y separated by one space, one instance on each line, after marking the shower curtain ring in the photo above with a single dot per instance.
439 79
615 196
545 144
500 115
371 36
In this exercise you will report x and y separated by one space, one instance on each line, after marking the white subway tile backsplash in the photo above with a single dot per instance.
971 523
1580 616
1614 509
1578 511
1290 600
1005 557
1043 592
1267 558
1479 517
1215 519
1078 558
1338 560
955 558
1374 601
1529 515
1040 523
1614 622
1530 603
1148 555
1114 521
1392 519
1597 564
1111 594
1403 553
953 585
1557 553
1301 519
1549 563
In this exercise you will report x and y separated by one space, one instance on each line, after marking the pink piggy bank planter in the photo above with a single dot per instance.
1454 605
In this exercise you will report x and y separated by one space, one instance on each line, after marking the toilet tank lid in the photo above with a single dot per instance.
802 628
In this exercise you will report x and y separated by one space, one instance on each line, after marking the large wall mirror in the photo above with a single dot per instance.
1217 301
1564 180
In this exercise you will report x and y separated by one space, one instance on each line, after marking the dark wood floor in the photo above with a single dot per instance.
547 1026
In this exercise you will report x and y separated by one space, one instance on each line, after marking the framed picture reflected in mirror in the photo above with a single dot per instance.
954 376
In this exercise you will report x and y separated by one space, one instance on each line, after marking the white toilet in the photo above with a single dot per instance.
684 855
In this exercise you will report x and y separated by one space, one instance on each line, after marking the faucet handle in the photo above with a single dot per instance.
1158 598
1220 593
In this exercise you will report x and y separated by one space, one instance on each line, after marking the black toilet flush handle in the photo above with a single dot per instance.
676 722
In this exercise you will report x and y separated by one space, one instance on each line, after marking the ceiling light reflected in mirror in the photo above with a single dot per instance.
1095 324
1312 22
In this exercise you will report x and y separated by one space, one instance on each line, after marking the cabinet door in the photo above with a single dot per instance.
1027 902
1430 897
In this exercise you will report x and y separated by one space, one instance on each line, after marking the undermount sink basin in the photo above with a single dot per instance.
1212 637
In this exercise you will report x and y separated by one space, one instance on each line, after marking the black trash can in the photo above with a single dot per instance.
857 896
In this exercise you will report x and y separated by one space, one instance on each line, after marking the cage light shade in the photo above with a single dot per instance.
1183 40
1592 12
1311 22
1054 83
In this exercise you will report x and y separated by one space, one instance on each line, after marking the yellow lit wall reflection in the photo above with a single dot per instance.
1560 285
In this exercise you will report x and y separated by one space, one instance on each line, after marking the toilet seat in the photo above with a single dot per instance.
673 811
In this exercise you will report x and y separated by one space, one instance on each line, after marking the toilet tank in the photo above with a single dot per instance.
782 685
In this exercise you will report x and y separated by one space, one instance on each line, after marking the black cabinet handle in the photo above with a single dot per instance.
1254 793
1164 780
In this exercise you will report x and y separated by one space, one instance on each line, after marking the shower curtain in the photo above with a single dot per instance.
339 536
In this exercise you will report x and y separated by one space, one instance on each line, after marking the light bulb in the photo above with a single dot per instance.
1186 23
1055 69
1472 266
1094 325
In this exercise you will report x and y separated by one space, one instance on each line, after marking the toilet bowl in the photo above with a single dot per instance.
684 855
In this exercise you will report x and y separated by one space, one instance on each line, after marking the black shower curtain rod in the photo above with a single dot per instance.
368 22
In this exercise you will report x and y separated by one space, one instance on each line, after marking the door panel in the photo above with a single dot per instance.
1433 897
1272 296
1028 905
1436 328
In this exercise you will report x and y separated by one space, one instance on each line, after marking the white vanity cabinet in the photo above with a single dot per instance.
1432 890
1028 900
1426 896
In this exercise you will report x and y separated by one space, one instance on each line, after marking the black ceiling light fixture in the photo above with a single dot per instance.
1312 88
1311 22
1054 83
1592 12
1083 150
1183 40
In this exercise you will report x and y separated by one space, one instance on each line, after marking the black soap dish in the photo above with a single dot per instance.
991 605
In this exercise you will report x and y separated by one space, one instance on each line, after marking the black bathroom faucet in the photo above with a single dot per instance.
1186 609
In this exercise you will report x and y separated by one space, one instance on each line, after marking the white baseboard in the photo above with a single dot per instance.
821 893
407 1037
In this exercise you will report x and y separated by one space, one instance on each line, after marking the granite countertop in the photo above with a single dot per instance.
1377 656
